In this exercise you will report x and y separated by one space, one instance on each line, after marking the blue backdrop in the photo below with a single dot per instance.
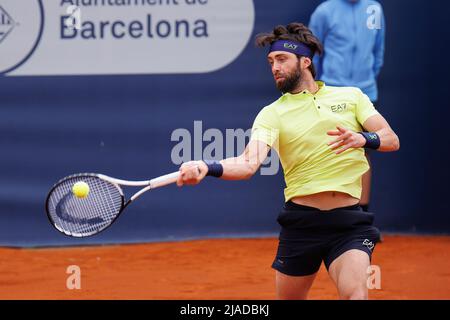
51 127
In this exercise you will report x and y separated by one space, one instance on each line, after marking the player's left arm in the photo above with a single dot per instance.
376 124
389 140
379 135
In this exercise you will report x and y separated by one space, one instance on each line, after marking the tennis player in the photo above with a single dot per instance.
318 132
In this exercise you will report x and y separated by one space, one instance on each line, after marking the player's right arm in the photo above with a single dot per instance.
265 132
246 165
235 168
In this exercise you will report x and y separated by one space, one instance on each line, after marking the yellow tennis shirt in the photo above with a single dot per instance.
296 127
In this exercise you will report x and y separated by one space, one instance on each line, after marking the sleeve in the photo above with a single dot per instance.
318 25
266 127
378 50
364 107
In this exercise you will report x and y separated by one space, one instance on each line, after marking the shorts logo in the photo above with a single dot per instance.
369 244
7 24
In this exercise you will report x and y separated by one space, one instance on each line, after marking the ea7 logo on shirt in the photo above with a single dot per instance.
339 107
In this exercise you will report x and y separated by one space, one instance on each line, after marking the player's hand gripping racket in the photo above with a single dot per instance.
103 201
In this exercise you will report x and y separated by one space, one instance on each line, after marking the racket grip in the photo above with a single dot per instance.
164 180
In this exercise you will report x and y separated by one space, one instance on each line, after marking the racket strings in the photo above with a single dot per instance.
84 216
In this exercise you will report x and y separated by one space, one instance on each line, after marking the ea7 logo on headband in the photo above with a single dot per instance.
290 46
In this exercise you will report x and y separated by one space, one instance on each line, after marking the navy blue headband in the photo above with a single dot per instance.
292 47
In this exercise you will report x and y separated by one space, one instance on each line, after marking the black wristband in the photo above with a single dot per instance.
215 168
372 140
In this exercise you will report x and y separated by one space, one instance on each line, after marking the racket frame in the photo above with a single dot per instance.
147 184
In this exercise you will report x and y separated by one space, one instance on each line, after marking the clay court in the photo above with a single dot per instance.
412 267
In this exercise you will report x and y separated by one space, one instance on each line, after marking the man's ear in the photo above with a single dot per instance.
305 62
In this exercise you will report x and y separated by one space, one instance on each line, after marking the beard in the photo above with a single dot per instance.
290 81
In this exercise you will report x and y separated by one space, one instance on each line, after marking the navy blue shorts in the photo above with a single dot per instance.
309 236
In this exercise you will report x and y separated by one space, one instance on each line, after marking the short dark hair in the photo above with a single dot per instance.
294 31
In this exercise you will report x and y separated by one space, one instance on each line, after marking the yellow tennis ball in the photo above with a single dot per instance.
80 189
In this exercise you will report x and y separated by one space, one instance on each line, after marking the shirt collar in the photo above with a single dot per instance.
305 92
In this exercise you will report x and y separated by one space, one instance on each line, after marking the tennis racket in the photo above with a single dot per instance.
83 217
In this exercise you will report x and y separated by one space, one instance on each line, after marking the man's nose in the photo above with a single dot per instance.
275 68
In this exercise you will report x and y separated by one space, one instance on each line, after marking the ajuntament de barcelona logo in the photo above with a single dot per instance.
7 23
21 27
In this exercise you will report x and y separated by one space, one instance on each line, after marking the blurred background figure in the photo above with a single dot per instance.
352 32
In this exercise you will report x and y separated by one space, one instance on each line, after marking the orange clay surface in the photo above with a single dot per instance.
412 267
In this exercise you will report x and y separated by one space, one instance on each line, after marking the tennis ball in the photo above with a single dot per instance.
80 189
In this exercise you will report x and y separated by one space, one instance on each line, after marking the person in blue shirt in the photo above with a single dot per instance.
352 33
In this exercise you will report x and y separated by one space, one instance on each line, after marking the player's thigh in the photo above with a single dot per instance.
349 273
293 287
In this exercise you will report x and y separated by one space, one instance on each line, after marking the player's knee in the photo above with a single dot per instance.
292 295
356 293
